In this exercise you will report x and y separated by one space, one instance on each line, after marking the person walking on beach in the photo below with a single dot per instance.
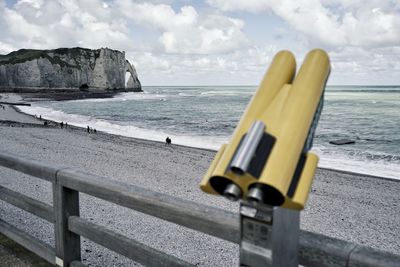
88 129
62 125
168 140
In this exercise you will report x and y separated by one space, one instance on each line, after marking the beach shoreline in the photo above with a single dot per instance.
354 207
48 97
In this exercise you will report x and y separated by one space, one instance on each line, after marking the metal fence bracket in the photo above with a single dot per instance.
269 236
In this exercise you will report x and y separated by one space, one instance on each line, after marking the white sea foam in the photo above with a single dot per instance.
364 167
124 130
226 93
186 94
360 164
327 160
127 96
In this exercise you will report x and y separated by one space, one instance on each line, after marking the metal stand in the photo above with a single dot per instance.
269 236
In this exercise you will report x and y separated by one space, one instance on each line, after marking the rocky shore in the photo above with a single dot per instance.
356 208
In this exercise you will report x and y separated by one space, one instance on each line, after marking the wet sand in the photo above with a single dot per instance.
356 208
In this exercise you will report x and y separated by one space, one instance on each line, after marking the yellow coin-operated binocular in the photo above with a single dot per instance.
267 160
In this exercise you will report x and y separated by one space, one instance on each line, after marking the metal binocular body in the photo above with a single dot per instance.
267 160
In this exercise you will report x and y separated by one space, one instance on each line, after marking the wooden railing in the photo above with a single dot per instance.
314 249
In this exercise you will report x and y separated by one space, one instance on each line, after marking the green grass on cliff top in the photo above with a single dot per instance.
20 56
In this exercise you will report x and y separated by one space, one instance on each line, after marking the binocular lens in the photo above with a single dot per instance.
264 194
232 192
255 196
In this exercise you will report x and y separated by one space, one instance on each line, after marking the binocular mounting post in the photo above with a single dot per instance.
269 236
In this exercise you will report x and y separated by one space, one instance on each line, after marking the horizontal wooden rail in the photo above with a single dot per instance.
202 218
366 256
28 204
314 249
27 166
130 248
27 241
320 250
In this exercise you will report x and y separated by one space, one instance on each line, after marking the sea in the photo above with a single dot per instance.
206 116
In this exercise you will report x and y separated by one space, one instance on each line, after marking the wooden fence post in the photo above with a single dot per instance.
68 244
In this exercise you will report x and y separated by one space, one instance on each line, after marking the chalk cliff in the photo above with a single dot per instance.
71 69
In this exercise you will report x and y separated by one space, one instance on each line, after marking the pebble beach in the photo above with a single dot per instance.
357 208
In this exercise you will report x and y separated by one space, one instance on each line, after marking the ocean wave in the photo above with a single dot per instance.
226 93
378 140
366 156
364 88
127 96
186 94
367 162
209 142
359 166
394 90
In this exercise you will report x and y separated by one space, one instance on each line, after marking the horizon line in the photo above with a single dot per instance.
209 85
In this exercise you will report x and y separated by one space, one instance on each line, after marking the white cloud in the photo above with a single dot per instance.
6 48
244 66
362 37
248 5
39 12
206 45
149 62
186 31
160 16
94 23
50 24
356 65
332 22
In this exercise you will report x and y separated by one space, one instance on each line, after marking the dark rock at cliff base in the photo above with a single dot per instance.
342 142
67 69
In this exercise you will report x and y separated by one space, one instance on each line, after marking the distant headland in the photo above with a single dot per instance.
67 70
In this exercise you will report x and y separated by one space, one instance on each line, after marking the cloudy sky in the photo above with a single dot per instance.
216 42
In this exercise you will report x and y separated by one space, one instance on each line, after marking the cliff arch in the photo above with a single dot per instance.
133 83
